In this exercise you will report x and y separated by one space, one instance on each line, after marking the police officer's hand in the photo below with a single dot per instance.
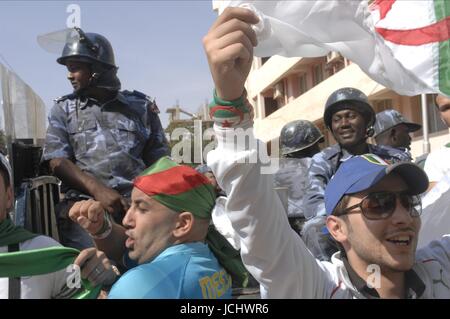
229 49
111 200
89 214
96 267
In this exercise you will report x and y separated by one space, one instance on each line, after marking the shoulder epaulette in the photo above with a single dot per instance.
137 94
151 104
331 151
64 97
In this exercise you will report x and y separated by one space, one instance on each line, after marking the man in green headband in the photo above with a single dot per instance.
163 233
34 266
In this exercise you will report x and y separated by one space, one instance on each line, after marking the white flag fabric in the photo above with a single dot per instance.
403 45
24 111
435 213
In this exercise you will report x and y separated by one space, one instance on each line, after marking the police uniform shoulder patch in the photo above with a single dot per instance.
153 107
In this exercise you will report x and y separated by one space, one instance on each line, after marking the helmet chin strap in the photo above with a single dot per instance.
94 82
104 79
370 131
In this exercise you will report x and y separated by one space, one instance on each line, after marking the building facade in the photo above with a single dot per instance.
286 89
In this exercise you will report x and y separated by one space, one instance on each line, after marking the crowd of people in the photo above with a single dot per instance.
341 222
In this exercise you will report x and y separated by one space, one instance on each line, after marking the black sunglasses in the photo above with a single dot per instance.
381 205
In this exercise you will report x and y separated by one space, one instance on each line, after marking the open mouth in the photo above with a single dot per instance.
129 243
401 240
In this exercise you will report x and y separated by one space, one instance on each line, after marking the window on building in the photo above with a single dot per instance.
317 74
271 106
381 105
335 63
302 84
435 123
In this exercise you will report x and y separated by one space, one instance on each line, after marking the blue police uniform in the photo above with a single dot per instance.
114 142
325 164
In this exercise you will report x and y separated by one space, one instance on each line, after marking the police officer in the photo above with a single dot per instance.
350 118
392 129
99 138
299 141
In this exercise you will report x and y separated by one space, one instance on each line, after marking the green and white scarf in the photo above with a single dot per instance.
38 261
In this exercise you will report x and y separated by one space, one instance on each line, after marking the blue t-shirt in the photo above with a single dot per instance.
185 271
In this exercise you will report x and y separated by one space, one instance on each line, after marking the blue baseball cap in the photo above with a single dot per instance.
361 172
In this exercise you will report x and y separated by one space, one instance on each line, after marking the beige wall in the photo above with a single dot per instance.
310 105
437 140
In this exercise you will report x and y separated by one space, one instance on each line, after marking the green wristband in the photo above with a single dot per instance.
236 103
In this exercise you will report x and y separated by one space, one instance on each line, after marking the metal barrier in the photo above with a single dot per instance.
35 205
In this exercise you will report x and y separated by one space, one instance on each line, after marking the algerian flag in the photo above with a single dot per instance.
403 45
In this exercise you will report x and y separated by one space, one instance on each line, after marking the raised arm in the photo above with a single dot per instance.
271 250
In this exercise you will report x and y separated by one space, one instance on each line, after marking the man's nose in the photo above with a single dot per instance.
402 214
128 219
345 121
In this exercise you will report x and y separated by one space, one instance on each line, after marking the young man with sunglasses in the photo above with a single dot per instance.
373 211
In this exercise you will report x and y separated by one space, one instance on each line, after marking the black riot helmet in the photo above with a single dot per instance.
91 48
95 50
299 135
349 98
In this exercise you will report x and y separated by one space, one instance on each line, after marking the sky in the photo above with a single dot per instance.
157 45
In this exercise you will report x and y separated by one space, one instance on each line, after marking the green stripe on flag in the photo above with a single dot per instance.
199 201
442 10
44 261
164 163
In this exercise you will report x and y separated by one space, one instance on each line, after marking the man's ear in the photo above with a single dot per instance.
393 134
184 224
337 228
